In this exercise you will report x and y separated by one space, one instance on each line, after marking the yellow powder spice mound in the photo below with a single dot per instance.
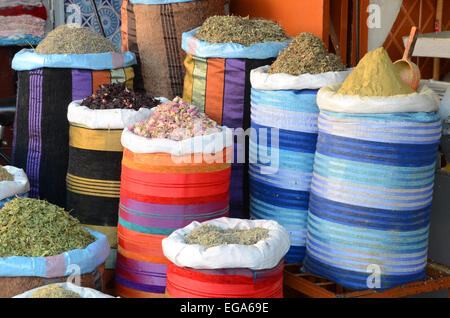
375 75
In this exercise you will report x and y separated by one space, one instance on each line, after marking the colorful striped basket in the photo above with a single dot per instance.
281 170
159 195
93 175
218 81
41 130
93 180
152 29
371 192
224 283
227 270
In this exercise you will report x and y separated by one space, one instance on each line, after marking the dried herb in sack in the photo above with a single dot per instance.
306 54
241 30
209 235
73 39
53 291
5 175
118 96
37 228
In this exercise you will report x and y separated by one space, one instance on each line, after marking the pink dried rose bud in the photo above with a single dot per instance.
176 120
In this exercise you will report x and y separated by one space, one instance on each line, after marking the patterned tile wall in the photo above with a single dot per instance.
82 12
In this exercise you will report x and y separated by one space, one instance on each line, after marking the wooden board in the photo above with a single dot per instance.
438 278
432 45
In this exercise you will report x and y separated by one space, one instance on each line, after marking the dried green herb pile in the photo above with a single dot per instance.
5 175
210 235
71 39
241 30
36 228
306 54
54 291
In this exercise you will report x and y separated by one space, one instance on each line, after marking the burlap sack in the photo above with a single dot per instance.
155 32
12 286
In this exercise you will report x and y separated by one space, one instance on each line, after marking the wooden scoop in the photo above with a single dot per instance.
409 71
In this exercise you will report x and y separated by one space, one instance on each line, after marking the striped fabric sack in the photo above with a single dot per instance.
227 271
282 145
372 187
18 187
185 282
152 29
161 191
218 81
19 274
93 175
46 86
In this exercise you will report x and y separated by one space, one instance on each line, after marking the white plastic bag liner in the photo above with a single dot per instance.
262 255
60 265
207 144
261 79
444 108
199 48
425 100
107 118
84 292
27 59
19 185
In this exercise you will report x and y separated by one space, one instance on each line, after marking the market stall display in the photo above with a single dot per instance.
95 155
226 258
39 241
23 22
282 145
47 83
372 184
152 29
218 81
174 170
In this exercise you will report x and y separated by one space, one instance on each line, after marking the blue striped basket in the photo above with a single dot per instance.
370 199
281 193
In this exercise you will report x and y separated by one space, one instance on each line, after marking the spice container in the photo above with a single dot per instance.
152 29
47 83
284 108
95 155
224 268
166 183
13 183
218 81
40 242
63 290
372 184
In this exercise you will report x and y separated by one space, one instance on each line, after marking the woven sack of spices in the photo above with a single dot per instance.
165 185
19 274
372 187
46 86
227 270
94 168
13 184
218 81
283 106
153 29
63 290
